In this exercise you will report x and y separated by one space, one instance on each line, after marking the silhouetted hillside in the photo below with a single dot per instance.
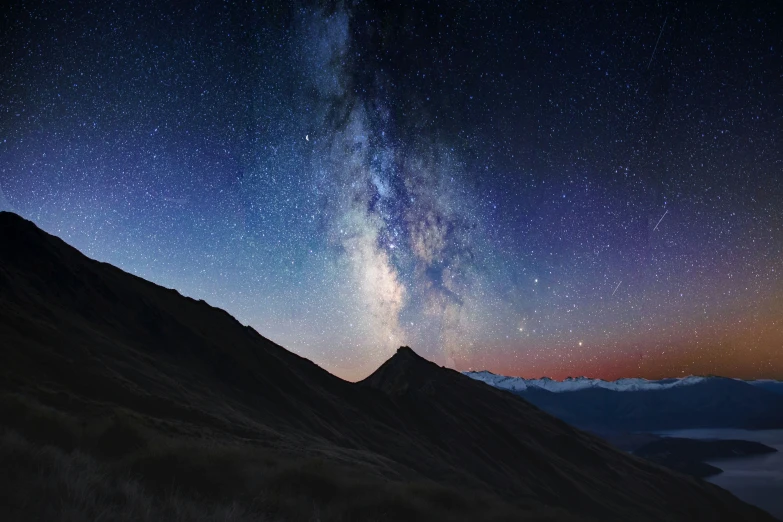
126 398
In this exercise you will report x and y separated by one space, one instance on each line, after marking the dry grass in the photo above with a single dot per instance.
115 469
46 483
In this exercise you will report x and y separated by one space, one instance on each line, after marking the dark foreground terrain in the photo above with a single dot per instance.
122 400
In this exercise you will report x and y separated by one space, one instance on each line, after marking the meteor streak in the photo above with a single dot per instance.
656 43
659 221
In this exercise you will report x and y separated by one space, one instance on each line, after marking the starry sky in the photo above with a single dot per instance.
535 188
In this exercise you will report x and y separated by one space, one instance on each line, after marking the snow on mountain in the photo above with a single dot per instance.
579 383
768 384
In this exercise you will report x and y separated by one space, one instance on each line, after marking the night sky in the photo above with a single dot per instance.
551 189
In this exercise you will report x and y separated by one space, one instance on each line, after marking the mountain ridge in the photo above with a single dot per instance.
621 384
631 405
89 341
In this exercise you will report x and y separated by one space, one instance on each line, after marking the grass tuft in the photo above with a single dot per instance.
115 468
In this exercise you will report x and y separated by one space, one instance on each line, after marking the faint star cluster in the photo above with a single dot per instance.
533 190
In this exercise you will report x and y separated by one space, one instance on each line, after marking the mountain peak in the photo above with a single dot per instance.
407 351
405 370
570 384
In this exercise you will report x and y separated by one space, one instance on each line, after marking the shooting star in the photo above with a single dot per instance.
616 287
656 42
659 221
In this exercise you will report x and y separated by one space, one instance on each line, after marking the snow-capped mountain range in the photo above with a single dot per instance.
666 404
571 384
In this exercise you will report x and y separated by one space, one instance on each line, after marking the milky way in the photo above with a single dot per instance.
534 191
396 214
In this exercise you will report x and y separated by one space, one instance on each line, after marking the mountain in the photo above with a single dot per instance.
120 397
642 405
582 383
688 455
769 385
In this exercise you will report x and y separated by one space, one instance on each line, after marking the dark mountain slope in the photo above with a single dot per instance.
91 341
495 434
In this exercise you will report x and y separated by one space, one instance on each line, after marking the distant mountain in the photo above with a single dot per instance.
769 385
167 397
688 455
642 405
580 383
